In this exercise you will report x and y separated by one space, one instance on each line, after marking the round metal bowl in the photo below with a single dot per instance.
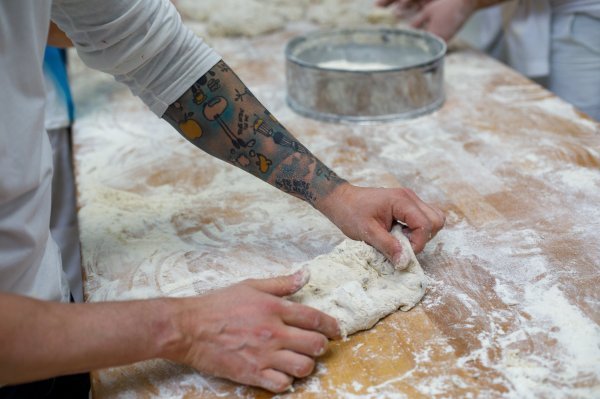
365 75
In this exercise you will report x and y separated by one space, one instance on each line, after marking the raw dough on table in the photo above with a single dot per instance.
256 17
357 285
242 18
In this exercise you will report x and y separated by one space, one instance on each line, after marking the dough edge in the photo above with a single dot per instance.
358 286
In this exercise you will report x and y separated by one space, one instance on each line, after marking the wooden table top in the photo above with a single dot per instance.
514 305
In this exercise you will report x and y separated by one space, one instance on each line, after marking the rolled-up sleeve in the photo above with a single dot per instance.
143 43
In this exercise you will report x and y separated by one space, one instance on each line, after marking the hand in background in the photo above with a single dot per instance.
440 17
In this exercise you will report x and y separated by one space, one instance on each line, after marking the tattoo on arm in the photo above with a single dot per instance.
221 116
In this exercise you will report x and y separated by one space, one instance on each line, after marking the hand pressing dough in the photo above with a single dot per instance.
358 286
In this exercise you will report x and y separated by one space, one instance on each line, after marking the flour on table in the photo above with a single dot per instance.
358 286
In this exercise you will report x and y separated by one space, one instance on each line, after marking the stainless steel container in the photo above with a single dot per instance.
365 75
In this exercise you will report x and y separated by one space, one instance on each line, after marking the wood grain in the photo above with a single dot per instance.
513 306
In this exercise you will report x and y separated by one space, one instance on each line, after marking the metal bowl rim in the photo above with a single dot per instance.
365 119
295 41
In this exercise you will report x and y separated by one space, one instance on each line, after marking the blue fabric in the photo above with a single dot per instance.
55 60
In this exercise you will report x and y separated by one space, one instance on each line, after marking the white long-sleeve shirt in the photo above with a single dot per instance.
142 42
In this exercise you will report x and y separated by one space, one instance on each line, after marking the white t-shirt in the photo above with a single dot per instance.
142 42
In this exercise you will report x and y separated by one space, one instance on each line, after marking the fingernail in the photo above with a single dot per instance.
401 260
274 387
322 349
301 277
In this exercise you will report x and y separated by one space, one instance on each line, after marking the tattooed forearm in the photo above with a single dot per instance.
220 115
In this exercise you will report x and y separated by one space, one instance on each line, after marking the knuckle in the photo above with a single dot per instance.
270 306
244 374
273 306
264 333
280 337
253 368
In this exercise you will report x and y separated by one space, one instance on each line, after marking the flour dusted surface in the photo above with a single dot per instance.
511 310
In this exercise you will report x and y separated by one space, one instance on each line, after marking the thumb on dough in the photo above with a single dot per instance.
391 248
282 285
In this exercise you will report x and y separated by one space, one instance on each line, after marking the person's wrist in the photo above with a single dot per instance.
167 329
330 204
